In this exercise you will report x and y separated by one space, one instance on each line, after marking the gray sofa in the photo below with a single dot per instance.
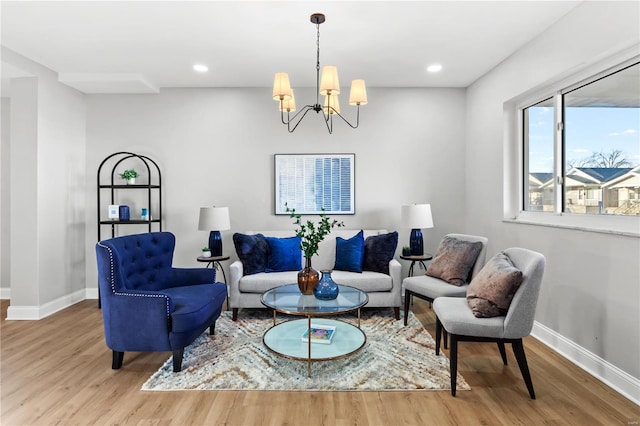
383 290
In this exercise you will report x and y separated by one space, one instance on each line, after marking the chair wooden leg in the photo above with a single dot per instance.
438 335
396 312
117 358
407 299
503 352
177 360
453 362
212 329
446 338
518 351
234 315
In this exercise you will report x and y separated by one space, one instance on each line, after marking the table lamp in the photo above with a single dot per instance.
416 217
214 219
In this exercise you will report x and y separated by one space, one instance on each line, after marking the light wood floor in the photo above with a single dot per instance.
58 371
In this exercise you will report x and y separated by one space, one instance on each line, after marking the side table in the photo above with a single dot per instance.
214 261
417 258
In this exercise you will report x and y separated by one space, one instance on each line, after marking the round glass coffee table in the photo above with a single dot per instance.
287 338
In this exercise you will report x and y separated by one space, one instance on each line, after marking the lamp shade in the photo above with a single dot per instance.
281 87
417 216
331 101
329 81
288 105
214 219
358 94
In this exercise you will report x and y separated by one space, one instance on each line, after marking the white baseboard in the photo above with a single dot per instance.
622 382
38 312
92 293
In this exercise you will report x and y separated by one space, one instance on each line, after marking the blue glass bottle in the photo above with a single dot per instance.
326 288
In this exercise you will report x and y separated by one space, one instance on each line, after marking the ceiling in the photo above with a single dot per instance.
143 46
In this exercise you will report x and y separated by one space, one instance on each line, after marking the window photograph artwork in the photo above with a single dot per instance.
311 183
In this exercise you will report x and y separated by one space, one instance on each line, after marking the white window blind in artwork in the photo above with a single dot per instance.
311 183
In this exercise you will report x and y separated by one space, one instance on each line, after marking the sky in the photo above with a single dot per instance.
587 130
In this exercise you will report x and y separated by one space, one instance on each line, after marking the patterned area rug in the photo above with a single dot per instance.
394 357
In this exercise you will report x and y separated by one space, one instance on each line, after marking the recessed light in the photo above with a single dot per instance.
434 68
200 68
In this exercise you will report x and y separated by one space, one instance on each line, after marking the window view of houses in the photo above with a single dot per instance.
600 148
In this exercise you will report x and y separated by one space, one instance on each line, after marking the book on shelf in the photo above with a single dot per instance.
320 333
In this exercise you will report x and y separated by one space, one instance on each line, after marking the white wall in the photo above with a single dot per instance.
216 146
47 192
591 290
5 268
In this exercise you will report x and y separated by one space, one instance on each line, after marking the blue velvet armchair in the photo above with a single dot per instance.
147 305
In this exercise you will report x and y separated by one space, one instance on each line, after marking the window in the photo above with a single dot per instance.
582 147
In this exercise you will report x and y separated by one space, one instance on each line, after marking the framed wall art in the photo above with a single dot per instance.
313 182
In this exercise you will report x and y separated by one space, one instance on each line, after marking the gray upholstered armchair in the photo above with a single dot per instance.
148 305
429 287
455 315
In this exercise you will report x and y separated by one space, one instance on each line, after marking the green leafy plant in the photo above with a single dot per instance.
129 174
205 249
310 233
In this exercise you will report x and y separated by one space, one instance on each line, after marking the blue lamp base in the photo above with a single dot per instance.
215 243
415 242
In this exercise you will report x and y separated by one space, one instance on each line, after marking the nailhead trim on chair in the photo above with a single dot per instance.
113 288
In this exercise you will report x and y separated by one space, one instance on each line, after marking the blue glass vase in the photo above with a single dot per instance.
326 289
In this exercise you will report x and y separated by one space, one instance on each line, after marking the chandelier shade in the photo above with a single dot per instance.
328 86
331 104
358 94
281 88
288 105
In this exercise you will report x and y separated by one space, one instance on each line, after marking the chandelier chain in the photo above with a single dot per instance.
317 65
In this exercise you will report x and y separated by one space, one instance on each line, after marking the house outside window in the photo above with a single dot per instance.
582 147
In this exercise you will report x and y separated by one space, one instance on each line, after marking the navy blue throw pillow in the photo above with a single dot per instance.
252 251
350 253
284 254
378 252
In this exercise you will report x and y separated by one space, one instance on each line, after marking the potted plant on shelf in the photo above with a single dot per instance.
206 252
311 234
406 251
130 176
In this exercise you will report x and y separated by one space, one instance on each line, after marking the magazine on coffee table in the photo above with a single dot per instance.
320 333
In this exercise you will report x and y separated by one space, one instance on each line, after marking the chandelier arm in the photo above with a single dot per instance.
328 121
290 119
305 110
347 121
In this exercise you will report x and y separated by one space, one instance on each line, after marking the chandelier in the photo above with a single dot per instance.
329 86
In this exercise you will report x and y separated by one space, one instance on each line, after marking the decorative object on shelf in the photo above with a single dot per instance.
329 86
311 235
416 217
114 211
144 215
130 176
123 213
206 252
326 288
214 219
406 251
